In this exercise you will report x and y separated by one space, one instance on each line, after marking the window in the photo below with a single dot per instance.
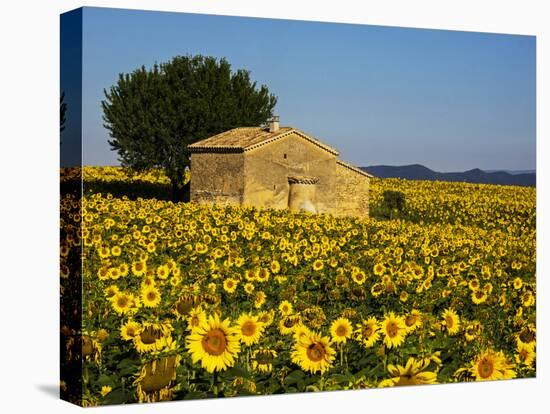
284 156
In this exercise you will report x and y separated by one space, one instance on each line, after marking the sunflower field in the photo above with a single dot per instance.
186 301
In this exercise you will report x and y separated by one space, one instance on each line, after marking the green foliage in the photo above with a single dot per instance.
393 204
153 114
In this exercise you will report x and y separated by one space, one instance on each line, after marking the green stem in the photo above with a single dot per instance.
215 390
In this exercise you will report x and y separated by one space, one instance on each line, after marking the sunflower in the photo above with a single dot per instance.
105 389
300 332
104 252
359 277
285 307
201 248
163 271
413 320
473 284
280 279
250 275
525 354
259 299
413 373
147 282
111 291
518 283
139 268
151 337
266 317
527 336
491 365
451 321
528 299
150 297
122 302
379 269
195 318
64 271
341 330
318 265
230 284
214 343
103 273
367 332
184 305
123 269
91 349
114 273
129 330
479 296
288 324
472 331
376 289
394 330
262 360
156 379
249 287
313 353
249 328
275 267
262 275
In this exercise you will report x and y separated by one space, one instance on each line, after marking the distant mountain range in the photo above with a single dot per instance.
477 176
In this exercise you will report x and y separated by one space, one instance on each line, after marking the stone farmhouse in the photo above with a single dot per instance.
276 167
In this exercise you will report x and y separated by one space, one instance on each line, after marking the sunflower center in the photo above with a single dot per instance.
527 336
449 321
485 368
315 352
150 335
367 332
289 323
392 329
122 301
410 320
263 358
341 331
248 328
151 295
184 306
214 342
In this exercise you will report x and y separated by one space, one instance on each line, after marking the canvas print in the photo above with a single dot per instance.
256 206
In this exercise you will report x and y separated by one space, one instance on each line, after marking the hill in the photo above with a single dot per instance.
477 176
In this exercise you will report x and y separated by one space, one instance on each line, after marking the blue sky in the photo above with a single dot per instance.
381 95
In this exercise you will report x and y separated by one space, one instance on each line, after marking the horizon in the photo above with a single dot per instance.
449 100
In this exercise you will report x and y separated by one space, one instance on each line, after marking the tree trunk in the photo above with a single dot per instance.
181 193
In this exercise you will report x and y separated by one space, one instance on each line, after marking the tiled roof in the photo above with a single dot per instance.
353 168
248 138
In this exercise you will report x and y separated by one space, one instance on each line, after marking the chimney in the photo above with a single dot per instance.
273 124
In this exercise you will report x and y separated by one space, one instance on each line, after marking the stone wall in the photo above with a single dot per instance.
267 169
217 178
352 189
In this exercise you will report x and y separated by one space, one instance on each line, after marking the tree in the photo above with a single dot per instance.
153 114
393 201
